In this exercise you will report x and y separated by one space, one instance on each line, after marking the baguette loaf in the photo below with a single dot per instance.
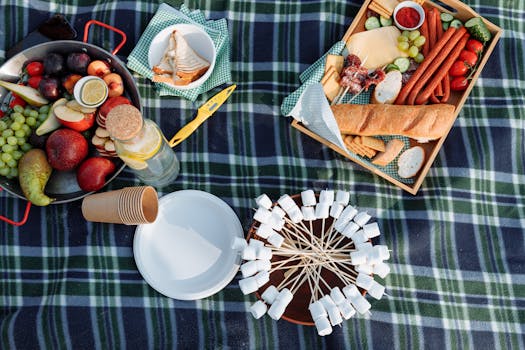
426 122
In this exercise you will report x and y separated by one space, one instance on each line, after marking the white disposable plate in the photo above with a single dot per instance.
197 38
186 253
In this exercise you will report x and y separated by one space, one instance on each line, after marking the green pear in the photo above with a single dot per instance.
27 93
51 123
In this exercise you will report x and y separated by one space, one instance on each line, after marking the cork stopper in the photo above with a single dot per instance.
123 122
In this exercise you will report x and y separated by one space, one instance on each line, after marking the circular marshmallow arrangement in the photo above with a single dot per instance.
319 250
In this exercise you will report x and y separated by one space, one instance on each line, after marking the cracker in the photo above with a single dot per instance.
379 10
327 75
331 86
373 143
335 61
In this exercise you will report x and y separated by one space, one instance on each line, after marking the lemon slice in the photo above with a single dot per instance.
134 163
94 92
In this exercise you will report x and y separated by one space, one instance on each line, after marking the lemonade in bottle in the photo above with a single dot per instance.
142 146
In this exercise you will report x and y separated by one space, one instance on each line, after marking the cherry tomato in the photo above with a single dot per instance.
34 81
35 68
474 46
468 57
458 69
459 84
2 114
17 100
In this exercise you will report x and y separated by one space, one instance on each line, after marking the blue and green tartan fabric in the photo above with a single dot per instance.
458 246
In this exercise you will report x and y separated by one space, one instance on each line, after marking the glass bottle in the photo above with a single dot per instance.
142 146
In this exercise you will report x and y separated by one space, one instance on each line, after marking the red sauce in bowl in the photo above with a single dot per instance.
407 17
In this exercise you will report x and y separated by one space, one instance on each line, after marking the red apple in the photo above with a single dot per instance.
65 149
92 173
73 119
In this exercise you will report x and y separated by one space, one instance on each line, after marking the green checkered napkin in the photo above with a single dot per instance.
167 16
313 74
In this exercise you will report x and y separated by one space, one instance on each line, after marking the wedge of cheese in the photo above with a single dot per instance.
377 47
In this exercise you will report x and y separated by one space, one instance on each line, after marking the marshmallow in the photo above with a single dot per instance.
276 310
286 202
337 296
296 215
346 309
340 224
262 215
239 243
342 197
359 237
276 240
276 223
371 230
360 304
358 257
265 230
261 278
376 291
264 253
317 310
350 229
334 315
258 309
381 269
384 253
308 213
248 285
365 247
365 268
364 281
264 201
351 291
326 196
374 256
327 301
335 210
263 265
249 268
277 211
255 243
362 218
308 198
285 296
249 253
348 213
322 324
270 294
322 210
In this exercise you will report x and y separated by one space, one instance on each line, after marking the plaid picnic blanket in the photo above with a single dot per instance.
458 250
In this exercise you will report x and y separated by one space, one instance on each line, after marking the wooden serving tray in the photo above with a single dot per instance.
460 11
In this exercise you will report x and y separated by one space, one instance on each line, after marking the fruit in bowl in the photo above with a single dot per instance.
65 149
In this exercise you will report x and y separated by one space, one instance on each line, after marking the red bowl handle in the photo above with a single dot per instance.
21 222
107 26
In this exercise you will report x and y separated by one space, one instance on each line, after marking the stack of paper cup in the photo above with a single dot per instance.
129 206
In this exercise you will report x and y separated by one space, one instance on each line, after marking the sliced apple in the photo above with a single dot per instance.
51 123
27 93
74 105
64 113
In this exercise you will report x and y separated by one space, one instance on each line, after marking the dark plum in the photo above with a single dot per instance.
53 64
49 87
77 62
38 141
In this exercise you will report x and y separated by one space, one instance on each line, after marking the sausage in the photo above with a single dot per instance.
443 69
433 98
436 63
439 34
424 32
405 91
432 38
446 89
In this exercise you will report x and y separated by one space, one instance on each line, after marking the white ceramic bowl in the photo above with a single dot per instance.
199 41
413 5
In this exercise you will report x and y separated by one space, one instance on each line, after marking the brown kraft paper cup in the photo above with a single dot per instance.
102 207
138 205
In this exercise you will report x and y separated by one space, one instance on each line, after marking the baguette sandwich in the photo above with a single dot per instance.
422 123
